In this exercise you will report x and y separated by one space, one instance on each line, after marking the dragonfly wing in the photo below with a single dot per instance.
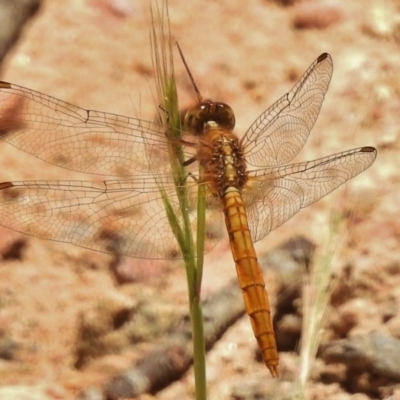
279 133
124 217
109 216
78 139
276 194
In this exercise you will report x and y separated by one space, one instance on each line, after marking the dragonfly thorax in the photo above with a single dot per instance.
208 111
222 156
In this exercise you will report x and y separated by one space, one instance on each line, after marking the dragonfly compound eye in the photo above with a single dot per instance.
207 111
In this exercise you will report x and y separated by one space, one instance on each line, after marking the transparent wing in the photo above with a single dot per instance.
82 140
279 133
124 217
276 194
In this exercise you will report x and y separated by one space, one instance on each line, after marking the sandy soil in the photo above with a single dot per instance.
96 54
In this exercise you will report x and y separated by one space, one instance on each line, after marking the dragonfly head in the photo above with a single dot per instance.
208 111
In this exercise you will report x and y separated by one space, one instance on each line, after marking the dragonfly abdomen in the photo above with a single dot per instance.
250 277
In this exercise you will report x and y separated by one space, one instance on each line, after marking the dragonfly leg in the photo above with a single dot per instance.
189 161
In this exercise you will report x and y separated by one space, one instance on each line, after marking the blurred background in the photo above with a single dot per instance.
96 54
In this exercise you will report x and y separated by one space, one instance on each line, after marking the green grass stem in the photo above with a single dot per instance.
179 220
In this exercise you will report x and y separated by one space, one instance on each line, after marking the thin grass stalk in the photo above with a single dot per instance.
180 223
316 296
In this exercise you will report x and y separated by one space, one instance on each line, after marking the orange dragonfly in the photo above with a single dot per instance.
249 180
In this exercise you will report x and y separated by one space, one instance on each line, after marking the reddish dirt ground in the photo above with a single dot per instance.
96 54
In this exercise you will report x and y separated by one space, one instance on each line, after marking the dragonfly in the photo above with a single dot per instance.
250 183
